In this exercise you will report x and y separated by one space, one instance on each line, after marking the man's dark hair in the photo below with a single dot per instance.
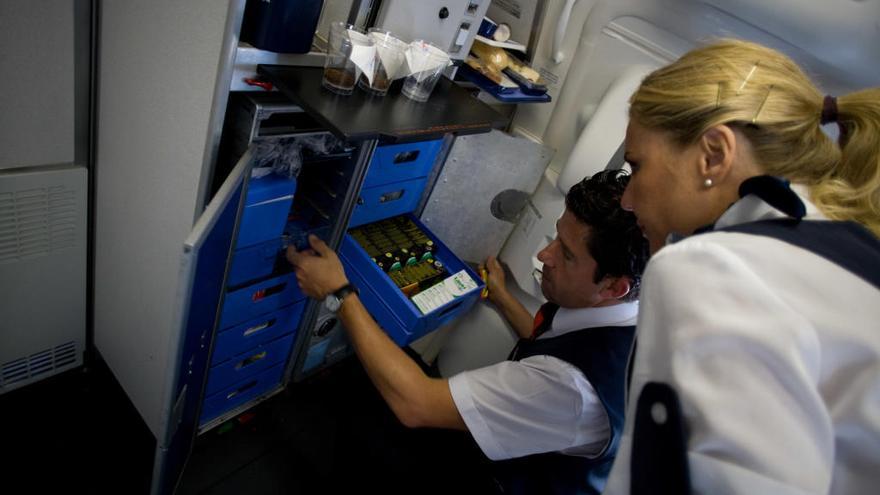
616 241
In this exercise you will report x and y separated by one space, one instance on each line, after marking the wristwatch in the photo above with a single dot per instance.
334 301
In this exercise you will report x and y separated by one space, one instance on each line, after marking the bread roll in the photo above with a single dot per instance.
489 72
524 70
491 55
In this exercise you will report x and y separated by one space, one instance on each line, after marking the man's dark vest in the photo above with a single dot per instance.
601 353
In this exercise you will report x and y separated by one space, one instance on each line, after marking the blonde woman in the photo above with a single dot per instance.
757 367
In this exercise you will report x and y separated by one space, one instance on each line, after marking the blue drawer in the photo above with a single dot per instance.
255 262
241 393
396 313
266 208
399 162
386 201
248 364
256 331
263 297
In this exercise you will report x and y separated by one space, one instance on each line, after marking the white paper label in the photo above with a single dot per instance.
444 292
462 37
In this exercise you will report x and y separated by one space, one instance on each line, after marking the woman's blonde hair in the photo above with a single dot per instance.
765 95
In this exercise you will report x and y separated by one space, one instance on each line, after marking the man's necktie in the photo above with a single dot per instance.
543 319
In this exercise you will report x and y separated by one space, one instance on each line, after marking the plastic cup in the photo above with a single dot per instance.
426 63
349 52
389 64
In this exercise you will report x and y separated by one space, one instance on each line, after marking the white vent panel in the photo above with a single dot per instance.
36 222
37 364
43 241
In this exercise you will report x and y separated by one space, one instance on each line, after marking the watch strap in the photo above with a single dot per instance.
345 290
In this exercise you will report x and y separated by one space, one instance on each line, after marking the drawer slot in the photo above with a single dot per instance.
240 393
256 331
263 297
248 363
386 201
401 162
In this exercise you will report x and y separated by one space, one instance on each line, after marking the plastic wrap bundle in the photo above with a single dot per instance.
284 156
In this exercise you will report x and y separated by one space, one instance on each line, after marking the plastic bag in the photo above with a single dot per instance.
284 156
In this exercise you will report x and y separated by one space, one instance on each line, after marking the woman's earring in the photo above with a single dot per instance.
708 182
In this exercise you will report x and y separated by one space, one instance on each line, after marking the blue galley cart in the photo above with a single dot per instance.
393 186
403 146
245 327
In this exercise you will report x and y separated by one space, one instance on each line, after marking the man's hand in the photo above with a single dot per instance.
495 281
416 400
318 270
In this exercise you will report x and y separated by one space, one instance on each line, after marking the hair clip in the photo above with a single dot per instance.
718 96
761 106
746 80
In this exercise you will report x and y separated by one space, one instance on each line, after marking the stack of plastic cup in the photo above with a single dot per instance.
350 52
390 62
426 63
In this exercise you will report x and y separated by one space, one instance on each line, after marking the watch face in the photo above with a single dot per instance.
332 303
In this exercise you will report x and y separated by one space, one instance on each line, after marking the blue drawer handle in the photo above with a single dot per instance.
406 157
244 388
256 328
268 291
391 196
250 360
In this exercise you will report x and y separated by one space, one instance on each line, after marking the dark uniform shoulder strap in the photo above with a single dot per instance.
659 463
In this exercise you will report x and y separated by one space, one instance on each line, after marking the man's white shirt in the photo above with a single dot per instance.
540 403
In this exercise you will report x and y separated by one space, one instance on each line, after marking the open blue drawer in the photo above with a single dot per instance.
268 203
248 364
399 162
256 331
241 393
386 201
397 314
254 262
263 297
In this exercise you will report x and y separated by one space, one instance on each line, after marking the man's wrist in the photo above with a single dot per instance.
499 295
334 300
345 303
339 286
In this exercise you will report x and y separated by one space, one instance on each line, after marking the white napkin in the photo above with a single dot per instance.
362 54
392 56
421 57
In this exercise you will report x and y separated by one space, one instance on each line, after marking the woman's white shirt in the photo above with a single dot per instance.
775 354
